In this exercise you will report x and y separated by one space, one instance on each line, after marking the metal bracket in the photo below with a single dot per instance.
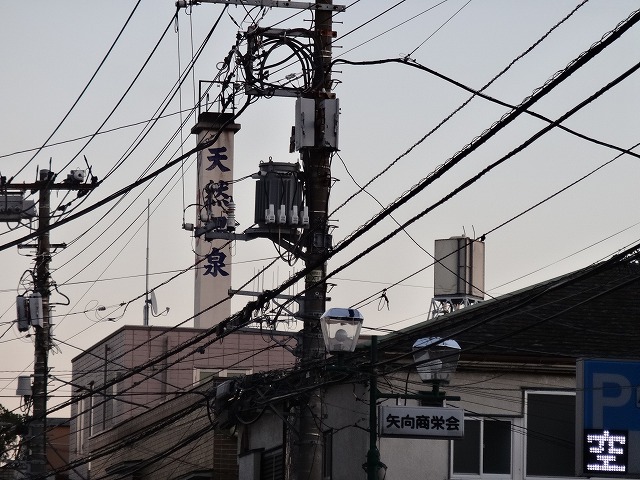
266 3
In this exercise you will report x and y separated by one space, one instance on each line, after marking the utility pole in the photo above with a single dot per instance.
42 287
304 451
41 369
307 452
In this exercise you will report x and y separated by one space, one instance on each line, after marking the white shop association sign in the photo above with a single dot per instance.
425 422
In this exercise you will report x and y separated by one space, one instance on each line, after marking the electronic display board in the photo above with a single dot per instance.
607 418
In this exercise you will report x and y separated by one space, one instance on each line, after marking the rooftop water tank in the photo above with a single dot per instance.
459 268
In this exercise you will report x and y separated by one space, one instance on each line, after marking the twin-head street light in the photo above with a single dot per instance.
436 360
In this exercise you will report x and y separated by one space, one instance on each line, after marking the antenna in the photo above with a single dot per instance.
150 301
146 298
154 304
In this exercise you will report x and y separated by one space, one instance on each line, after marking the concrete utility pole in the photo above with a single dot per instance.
304 452
42 286
306 456
41 369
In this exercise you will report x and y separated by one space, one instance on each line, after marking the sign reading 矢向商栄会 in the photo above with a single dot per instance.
425 422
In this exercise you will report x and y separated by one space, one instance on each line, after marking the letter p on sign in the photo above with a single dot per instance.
609 390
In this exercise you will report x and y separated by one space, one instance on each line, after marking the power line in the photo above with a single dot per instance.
46 142
466 102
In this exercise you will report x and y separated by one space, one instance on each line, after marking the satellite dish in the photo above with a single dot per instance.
154 303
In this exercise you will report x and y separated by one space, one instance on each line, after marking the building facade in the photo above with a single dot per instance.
515 383
143 419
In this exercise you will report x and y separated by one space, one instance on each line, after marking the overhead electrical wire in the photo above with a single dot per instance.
487 169
534 296
159 111
412 63
558 77
179 324
176 394
364 24
466 102
126 92
518 308
555 80
119 102
103 132
561 75
370 298
124 190
140 275
454 330
439 28
104 59
567 256
388 30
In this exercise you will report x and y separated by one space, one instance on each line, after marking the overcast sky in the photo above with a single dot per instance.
50 51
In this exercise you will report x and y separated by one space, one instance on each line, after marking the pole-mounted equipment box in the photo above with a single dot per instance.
279 196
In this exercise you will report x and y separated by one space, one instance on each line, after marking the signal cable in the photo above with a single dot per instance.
535 97
487 85
104 59
128 89
487 169
551 84
439 28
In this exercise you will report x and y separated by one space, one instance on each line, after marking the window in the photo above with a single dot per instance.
485 448
272 464
81 424
92 413
550 422
327 455
202 375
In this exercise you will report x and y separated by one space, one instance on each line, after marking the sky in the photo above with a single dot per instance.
51 50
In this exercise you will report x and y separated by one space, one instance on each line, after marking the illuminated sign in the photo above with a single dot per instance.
425 422
607 417
605 451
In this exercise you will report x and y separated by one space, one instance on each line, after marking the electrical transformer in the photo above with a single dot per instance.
279 196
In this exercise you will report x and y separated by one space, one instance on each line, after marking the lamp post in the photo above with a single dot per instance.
341 329
436 360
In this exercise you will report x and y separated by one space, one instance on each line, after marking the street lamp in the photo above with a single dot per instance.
436 359
341 329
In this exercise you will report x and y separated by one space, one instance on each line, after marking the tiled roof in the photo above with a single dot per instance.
593 312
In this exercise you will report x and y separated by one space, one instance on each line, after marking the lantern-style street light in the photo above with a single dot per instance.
436 360
341 329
